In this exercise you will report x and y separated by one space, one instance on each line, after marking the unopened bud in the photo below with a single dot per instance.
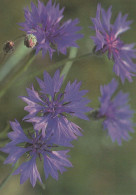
8 47
30 41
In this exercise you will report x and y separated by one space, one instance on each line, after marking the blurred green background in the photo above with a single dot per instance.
100 166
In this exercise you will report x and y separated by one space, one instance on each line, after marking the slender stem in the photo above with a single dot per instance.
60 63
31 59
15 39
19 37
2 184
66 69
23 69
51 67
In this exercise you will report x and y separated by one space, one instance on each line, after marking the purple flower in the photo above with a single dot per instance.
107 38
116 112
48 109
33 147
45 23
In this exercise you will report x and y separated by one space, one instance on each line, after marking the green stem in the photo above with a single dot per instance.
60 63
66 69
19 37
51 67
23 69
2 184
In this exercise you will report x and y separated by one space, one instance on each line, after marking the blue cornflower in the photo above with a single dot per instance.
33 147
48 109
44 22
116 112
107 38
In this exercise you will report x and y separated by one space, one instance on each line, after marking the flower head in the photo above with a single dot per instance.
33 147
45 23
107 38
116 112
48 109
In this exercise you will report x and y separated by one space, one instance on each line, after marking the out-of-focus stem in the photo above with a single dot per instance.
51 67
21 70
61 63
13 60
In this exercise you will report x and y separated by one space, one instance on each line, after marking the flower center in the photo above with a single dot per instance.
54 106
112 42
110 113
38 145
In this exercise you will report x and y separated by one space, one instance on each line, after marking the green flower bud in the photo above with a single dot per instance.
30 41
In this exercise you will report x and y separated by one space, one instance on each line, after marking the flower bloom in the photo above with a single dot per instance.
33 147
44 22
107 38
48 109
116 112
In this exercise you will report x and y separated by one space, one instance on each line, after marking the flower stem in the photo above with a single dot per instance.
14 77
19 37
61 63
66 69
51 67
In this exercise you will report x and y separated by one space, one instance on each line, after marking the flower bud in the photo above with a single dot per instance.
8 47
30 41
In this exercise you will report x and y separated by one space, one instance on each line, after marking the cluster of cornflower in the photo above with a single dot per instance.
49 109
